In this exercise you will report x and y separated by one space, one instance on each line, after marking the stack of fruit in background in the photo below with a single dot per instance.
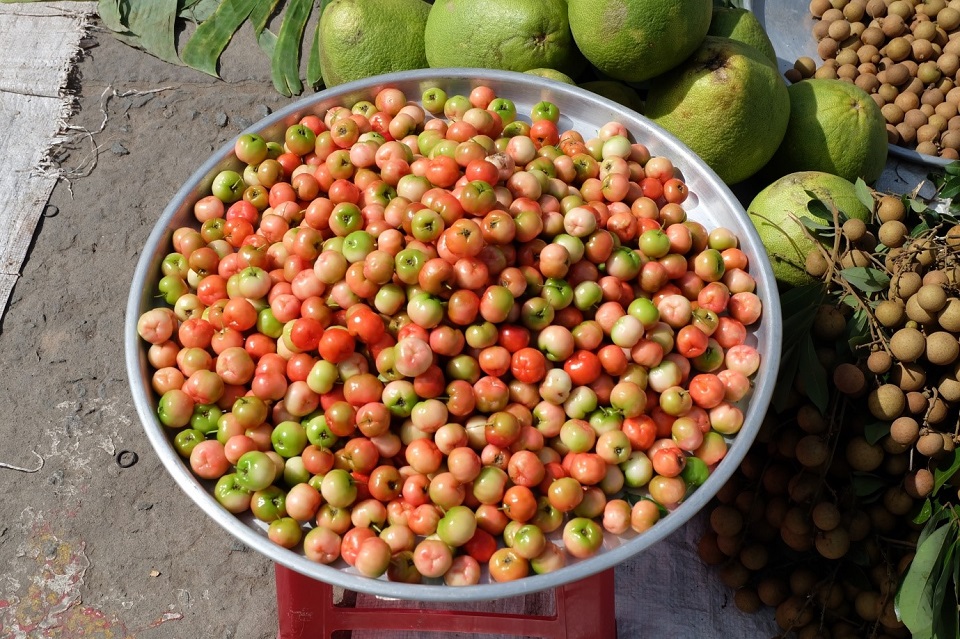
905 55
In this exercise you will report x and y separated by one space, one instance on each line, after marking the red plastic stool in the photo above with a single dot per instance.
583 610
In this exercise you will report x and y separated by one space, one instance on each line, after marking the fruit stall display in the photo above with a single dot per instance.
508 306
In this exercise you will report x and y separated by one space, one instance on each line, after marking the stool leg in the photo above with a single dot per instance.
587 607
303 605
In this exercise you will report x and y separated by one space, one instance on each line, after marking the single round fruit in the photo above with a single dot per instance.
635 40
363 38
514 35
834 127
742 25
907 345
727 103
886 402
551 74
784 238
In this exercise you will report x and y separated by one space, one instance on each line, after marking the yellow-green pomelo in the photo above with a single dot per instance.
514 35
834 127
727 103
551 74
783 237
741 25
634 40
616 91
363 38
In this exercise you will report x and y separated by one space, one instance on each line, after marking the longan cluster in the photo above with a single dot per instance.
905 54
918 367
788 526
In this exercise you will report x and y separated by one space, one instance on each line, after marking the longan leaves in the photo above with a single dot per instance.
916 600
942 475
798 306
875 431
869 280
814 377
864 194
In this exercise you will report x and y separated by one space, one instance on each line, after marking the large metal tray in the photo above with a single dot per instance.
710 202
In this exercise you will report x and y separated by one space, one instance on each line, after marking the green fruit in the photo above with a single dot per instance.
634 40
727 103
513 35
363 38
616 91
741 25
551 74
785 239
834 127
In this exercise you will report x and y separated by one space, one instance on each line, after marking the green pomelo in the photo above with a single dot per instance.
551 74
634 40
727 103
741 25
786 239
834 127
616 91
514 35
363 38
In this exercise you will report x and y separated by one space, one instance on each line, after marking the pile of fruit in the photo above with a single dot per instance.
841 517
905 55
436 340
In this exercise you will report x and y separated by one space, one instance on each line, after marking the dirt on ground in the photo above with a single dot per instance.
89 548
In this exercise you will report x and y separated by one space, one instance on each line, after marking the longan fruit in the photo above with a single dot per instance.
733 575
849 379
885 402
917 313
891 207
905 284
949 388
930 444
949 316
907 345
879 362
833 544
772 590
709 551
916 403
810 420
828 323
862 455
818 7
754 557
729 546
942 348
918 484
858 524
746 600
915 118
826 516
868 605
890 313
726 520
816 264
793 613
897 501
905 430
908 377
927 148
931 297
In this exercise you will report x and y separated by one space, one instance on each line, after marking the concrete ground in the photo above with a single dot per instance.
87 548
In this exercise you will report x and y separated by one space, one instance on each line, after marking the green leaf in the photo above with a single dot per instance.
266 39
199 10
314 75
941 476
924 514
820 231
285 65
944 623
868 280
864 194
857 329
818 208
203 50
866 484
151 27
913 602
876 431
814 376
111 16
919 228
952 169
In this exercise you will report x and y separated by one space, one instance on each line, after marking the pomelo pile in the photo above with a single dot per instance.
706 74
440 339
